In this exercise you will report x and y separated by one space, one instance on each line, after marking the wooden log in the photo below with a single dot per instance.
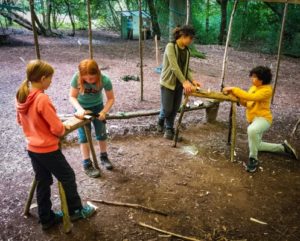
130 205
73 123
212 112
183 107
64 207
279 49
233 131
30 197
87 131
169 233
214 95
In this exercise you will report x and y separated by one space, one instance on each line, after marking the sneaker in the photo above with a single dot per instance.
252 165
289 149
91 171
160 126
106 162
86 212
58 217
169 134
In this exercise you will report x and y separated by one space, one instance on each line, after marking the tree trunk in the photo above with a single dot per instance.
71 17
43 11
115 18
154 19
11 16
48 17
223 24
177 15
207 17
24 22
54 18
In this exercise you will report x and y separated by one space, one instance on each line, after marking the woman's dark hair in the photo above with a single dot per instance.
263 73
185 30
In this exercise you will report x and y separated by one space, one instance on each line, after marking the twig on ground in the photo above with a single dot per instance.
169 233
130 205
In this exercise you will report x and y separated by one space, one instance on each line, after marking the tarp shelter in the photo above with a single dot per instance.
130 24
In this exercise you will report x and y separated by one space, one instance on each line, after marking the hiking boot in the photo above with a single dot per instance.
86 212
290 150
169 134
252 165
106 162
160 126
91 171
58 217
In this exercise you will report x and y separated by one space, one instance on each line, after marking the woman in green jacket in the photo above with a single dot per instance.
175 77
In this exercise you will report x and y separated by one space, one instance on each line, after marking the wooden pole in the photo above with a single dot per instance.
188 12
35 35
156 50
64 207
141 49
30 197
90 141
233 131
88 7
186 99
279 49
224 65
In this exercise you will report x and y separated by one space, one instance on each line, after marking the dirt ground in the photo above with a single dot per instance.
205 195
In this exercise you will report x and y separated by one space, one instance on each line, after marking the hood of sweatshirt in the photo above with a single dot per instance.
23 107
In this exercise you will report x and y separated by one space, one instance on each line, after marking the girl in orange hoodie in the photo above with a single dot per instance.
42 129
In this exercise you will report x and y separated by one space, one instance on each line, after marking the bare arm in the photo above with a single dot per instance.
109 103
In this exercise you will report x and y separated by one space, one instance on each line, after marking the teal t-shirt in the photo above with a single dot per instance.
92 96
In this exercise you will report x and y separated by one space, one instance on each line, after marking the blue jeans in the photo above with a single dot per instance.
100 127
170 104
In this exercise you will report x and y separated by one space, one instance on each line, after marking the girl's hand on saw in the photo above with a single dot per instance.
102 116
80 113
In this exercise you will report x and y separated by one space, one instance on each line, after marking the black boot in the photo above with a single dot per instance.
105 161
252 165
160 125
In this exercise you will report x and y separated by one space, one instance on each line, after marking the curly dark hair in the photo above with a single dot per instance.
263 73
185 30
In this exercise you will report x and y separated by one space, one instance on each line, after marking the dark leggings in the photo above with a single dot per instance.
44 165
170 104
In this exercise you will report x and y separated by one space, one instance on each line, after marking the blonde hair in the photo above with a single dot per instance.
35 70
88 67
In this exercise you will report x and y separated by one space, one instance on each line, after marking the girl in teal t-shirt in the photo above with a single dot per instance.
86 96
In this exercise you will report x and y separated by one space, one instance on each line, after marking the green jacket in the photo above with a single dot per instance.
171 70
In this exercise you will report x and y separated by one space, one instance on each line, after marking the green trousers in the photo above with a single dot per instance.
255 133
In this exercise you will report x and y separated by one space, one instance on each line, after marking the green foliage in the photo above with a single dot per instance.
195 53
256 24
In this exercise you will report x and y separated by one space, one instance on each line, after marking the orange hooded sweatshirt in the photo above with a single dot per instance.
41 125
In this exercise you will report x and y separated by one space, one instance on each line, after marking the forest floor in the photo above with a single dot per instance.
205 195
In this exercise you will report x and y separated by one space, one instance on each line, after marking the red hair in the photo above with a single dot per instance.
88 67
